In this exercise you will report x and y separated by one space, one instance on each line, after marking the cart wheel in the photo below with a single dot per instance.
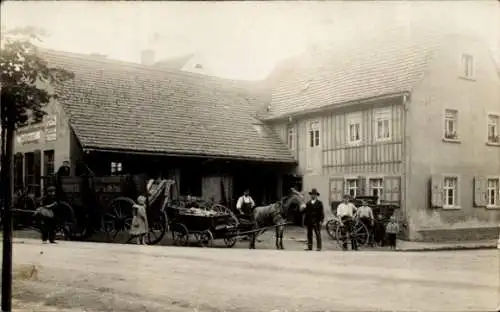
231 238
117 220
206 238
157 230
67 223
331 228
361 234
180 234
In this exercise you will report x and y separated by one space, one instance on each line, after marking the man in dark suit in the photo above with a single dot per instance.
314 216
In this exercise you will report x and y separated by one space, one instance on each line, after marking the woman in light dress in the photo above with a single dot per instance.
139 227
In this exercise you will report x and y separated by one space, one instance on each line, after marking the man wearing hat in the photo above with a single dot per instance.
345 212
314 216
365 215
46 215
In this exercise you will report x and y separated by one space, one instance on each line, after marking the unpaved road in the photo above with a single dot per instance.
103 277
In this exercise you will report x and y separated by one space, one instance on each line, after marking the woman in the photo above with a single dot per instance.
139 227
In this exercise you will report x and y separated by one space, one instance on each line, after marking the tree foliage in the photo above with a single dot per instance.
24 75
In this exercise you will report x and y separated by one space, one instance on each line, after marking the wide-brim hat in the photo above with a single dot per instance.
314 192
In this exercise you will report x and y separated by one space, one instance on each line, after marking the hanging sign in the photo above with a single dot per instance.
29 137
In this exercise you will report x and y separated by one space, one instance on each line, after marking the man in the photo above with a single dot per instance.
46 215
365 215
245 205
345 212
314 216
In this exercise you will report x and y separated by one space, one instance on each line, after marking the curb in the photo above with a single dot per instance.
451 248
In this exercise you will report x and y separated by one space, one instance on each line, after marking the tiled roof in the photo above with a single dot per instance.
114 105
174 63
388 64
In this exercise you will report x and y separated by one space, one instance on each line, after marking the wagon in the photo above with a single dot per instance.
360 231
104 204
203 225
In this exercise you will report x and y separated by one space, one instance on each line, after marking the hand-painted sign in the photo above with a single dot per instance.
29 137
51 121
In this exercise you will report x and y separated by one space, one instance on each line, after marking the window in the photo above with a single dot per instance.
291 137
116 167
354 128
29 169
314 134
383 125
376 187
450 191
48 163
493 192
493 123
352 187
450 124
467 66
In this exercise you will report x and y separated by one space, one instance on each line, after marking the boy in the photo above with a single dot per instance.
48 224
392 230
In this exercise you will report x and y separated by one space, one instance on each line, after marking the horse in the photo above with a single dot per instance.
276 214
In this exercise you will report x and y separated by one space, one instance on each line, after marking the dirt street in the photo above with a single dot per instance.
104 277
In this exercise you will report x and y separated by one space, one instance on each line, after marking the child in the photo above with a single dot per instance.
139 227
392 230
379 231
46 216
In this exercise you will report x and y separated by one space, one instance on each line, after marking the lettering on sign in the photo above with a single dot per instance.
29 137
51 121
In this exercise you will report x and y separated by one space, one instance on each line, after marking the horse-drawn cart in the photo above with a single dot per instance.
203 224
104 204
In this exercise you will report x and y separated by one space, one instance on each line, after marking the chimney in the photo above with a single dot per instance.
147 57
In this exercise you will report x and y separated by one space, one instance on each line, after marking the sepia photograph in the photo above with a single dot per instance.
250 156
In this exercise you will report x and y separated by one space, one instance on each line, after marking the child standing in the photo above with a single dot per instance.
139 227
392 230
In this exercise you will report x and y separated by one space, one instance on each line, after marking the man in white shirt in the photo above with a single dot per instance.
345 212
245 204
365 215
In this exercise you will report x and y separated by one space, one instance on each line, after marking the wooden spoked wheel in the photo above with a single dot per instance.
117 220
180 234
331 228
231 238
205 238
157 230
359 232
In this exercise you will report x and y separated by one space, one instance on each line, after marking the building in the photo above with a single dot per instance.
413 119
116 117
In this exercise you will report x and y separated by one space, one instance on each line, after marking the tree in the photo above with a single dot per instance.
24 77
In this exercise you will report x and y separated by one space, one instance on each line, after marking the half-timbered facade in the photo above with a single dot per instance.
413 120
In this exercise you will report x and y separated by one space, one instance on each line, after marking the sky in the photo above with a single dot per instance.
239 40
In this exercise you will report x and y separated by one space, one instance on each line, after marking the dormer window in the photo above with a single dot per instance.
467 70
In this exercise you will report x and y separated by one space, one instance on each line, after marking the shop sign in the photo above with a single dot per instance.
29 137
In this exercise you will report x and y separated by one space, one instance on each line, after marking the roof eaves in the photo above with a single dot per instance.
337 105
283 160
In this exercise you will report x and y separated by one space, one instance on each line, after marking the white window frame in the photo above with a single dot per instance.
291 135
493 120
314 134
380 187
495 190
348 188
447 118
455 189
382 115
116 167
467 66
353 120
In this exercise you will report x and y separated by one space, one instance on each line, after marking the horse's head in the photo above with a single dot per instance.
294 198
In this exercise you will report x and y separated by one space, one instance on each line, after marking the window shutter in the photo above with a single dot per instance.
392 189
337 189
436 191
362 186
18 171
480 191
37 170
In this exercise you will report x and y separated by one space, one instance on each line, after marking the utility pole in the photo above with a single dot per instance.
6 191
